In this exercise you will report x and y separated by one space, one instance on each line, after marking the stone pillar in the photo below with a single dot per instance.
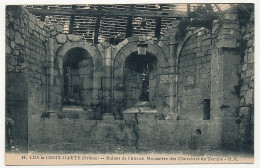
50 74
173 60
107 80
225 63
173 85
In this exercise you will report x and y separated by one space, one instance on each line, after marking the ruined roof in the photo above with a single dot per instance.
99 23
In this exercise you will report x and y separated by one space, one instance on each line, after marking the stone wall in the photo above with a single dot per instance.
210 70
194 74
26 75
137 133
132 86
246 111
227 81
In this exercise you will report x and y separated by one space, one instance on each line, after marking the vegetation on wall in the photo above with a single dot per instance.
202 16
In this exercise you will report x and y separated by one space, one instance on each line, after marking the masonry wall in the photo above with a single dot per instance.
26 76
137 133
132 87
227 57
246 111
194 75
205 72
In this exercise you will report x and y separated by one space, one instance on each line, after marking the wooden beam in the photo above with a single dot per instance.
97 26
188 9
72 19
129 28
158 27
43 16
134 13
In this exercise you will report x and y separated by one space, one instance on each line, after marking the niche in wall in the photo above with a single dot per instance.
78 77
140 74
206 109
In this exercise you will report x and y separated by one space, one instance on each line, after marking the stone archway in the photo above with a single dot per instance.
78 77
92 54
119 60
92 50
140 79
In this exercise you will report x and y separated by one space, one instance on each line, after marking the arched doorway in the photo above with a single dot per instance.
139 79
78 69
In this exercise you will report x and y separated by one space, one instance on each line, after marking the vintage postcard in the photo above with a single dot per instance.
137 83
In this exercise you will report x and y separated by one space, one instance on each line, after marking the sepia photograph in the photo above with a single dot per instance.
137 83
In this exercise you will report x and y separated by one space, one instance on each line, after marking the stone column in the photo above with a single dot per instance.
107 82
225 63
173 84
173 60
50 74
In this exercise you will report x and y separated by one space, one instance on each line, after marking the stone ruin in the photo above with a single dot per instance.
143 95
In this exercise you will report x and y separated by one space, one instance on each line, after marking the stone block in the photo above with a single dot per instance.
249 73
250 58
244 67
131 111
250 66
244 88
61 38
229 16
191 80
147 110
53 33
118 94
59 28
147 116
12 44
72 37
7 49
108 116
249 97
51 28
243 111
87 83
242 101
227 43
18 39
251 85
231 25
142 104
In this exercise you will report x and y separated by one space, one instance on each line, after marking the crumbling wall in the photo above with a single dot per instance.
64 135
205 72
143 132
194 74
26 76
246 111
225 78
